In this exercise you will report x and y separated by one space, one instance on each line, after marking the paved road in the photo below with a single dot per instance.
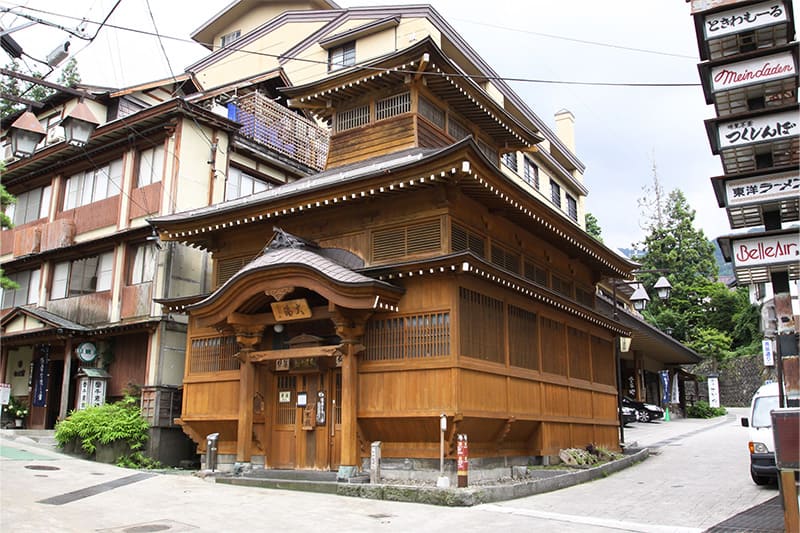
697 478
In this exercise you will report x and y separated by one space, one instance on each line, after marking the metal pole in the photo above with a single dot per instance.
619 391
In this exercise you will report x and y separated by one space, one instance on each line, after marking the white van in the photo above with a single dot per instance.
762 443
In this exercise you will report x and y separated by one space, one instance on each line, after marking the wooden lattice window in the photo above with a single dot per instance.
579 354
481 326
603 368
226 268
214 354
408 337
352 118
286 411
393 105
431 111
505 258
536 273
554 349
584 296
456 130
402 241
464 240
562 285
523 338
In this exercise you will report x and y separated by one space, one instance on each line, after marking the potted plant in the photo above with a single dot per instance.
18 410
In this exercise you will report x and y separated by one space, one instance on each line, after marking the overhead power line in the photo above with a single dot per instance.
305 60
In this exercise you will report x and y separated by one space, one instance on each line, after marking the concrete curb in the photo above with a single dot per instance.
449 497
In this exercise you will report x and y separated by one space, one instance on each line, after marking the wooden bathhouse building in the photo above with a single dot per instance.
426 271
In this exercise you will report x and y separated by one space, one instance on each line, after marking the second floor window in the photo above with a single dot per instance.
572 207
151 166
531 174
242 184
555 193
342 56
31 205
93 185
26 293
228 38
510 160
82 276
143 266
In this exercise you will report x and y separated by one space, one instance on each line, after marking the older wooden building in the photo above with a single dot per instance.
412 278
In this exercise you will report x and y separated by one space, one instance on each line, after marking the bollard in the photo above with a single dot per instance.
375 462
463 460
211 451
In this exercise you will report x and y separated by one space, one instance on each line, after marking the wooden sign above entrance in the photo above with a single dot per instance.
291 310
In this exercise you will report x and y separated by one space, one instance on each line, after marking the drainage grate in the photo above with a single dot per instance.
147 528
41 467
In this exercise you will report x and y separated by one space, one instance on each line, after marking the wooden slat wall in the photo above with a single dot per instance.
408 392
130 363
384 137
554 347
603 367
430 136
146 200
212 399
525 398
579 354
580 403
482 393
136 300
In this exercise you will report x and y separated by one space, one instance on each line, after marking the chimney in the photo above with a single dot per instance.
565 128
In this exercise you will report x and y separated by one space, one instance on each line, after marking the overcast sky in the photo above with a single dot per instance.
621 132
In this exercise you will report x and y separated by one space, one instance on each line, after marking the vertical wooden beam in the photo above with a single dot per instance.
248 336
350 453
244 433
66 382
350 326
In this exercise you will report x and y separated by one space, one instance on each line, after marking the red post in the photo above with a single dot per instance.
463 460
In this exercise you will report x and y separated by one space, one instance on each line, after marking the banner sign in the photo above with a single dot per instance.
758 70
40 383
664 386
743 132
769 356
744 19
767 250
713 391
762 189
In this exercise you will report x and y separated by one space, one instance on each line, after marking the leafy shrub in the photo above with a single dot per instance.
104 424
701 409
138 460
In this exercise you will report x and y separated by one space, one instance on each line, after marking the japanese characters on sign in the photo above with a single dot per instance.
291 310
762 189
758 70
769 356
744 19
713 391
766 250
755 130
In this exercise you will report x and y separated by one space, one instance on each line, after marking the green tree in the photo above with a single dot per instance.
701 312
69 77
6 199
593 227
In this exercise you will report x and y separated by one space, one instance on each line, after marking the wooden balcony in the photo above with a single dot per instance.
272 125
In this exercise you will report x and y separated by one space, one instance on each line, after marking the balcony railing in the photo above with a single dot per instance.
275 127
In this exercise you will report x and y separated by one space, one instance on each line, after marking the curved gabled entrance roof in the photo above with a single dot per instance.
289 263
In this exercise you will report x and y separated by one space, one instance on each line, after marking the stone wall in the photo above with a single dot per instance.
739 378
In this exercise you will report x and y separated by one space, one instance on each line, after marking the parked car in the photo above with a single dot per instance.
645 412
628 415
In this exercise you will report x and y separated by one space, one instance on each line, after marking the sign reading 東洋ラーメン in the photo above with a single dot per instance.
765 250
87 352
757 70
765 128
746 18
762 189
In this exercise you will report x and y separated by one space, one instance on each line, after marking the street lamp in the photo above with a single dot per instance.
79 124
26 133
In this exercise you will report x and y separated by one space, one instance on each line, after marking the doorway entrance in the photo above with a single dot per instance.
306 416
